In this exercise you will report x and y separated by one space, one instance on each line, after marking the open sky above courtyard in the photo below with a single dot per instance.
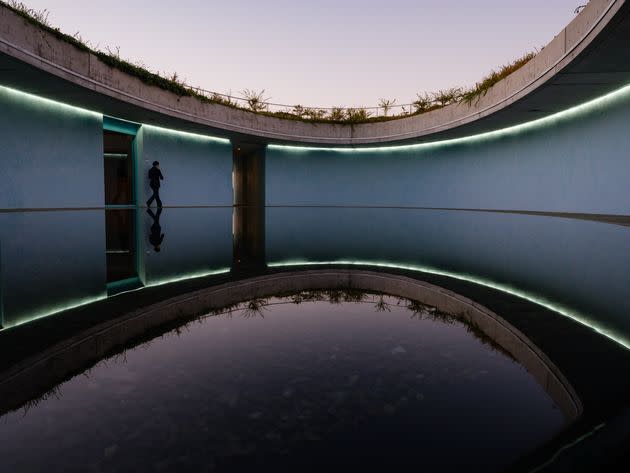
325 53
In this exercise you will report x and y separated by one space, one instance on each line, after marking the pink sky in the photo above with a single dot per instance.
325 53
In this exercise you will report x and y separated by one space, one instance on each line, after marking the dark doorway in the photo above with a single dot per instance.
121 249
249 204
118 155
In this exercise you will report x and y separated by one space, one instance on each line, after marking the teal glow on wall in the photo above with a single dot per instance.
50 261
570 162
51 153
120 126
197 169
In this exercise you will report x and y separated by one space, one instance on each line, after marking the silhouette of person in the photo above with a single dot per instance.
155 176
156 236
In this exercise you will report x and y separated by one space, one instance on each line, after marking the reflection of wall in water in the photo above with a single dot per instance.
578 164
121 244
51 155
50 260
195 241
580 264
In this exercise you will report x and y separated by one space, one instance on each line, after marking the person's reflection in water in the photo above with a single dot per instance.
156 236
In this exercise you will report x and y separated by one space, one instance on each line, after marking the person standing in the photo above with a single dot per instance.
155 176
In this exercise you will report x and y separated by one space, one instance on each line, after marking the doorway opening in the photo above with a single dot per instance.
121 234
248 225
119 176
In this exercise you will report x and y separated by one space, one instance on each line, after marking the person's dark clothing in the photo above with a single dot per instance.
156 236
155 196
155 176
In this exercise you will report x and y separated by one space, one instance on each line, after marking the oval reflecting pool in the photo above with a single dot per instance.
341 380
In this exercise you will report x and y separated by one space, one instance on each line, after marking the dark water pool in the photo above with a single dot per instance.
310 381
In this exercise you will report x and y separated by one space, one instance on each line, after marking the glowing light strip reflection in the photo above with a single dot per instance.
57 309
571 113
51 311
200 274
564 311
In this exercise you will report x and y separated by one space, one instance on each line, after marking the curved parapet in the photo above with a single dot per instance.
586 59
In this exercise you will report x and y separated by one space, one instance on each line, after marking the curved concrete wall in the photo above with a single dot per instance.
574 162
50 155
197 169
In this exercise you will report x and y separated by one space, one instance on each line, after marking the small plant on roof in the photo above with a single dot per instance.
386 104
314 113
221 99
422 103
298 110
354 115
114 53
38 15
481 88
256 101
447 96
337 114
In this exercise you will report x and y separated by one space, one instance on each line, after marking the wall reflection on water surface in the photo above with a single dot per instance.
50 260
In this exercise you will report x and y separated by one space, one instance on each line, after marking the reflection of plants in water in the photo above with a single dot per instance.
476 331
381 305
426 312
33 403
418 309
255 308
352 295
335 297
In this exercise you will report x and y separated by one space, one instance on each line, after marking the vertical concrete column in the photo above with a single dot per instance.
248 177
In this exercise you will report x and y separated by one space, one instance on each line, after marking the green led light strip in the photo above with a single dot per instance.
574 112
200 274
18 94
169 131
564 311
571 113
54 310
